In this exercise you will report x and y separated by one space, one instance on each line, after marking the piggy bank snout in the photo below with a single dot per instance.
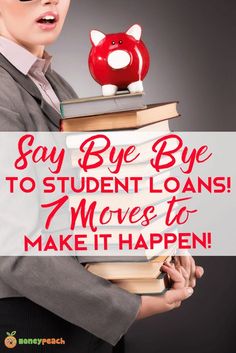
119 59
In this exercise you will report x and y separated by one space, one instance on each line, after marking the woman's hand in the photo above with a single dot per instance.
192 272
171 299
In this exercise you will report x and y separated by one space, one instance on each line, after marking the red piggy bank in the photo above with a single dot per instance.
119 61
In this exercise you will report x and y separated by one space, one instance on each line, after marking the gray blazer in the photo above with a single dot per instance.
59 284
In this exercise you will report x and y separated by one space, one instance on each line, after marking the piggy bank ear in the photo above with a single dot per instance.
96 37
135 31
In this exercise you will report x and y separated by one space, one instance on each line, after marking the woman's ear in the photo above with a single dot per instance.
96 37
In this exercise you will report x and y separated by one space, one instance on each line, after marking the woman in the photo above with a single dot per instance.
55 297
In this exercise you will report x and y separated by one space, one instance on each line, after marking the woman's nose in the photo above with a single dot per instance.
46 2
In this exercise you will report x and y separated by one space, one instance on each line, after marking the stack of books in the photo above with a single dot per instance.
123 114
144 278
123 111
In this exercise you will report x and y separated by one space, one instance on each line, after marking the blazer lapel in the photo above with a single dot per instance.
51 113
32 89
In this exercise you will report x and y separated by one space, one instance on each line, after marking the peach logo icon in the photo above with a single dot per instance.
10 341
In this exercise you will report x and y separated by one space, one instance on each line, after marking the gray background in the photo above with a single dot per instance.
192 46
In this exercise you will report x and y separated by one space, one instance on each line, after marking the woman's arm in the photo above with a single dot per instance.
59 284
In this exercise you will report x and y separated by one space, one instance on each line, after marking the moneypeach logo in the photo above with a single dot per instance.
11 341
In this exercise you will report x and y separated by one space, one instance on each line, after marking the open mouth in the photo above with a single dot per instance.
48 19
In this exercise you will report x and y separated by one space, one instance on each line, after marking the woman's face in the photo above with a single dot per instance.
32 23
